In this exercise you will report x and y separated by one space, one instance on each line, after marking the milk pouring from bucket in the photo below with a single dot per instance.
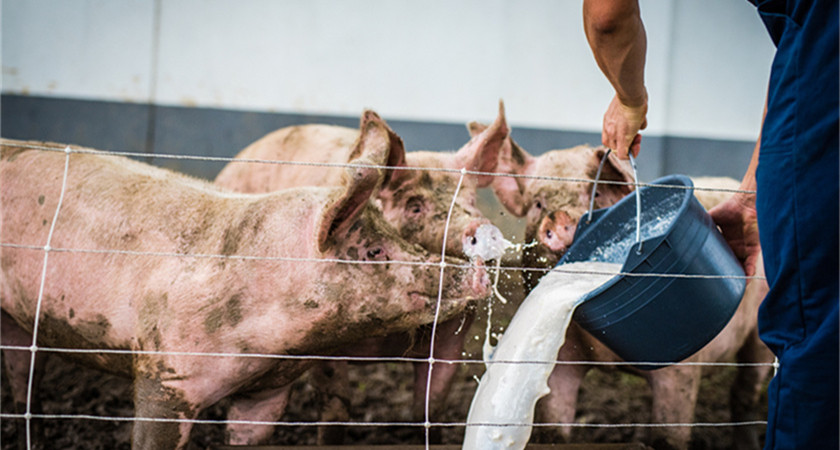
679 285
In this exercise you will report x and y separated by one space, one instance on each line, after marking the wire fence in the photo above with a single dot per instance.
427 424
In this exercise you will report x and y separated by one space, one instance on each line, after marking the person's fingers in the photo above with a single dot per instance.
636 146
621 125
609 138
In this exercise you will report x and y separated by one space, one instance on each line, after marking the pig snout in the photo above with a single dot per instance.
557 231
462 279
480 280
484 242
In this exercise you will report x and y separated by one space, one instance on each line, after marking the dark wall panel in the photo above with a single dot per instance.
211 132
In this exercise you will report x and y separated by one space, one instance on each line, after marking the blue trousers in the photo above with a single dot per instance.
797 204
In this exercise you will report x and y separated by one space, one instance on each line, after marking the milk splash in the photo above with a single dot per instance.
508 392
490 243
488 348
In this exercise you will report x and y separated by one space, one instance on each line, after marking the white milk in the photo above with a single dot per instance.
508 393
490 243
618 246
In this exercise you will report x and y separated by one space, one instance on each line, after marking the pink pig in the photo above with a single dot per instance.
416 200
553 209
277 286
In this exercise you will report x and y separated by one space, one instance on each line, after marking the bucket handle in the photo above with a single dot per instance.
638 196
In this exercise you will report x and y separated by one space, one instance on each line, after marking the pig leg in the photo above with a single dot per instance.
154 399
263 406
17 364
674 392
451 335
746 390
334 388
560 404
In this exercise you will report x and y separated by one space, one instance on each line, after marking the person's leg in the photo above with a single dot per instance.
797 204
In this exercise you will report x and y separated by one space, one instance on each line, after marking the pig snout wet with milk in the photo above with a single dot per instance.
147 260
488 243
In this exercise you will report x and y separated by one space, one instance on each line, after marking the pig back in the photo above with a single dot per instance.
307 145
116 270
712 191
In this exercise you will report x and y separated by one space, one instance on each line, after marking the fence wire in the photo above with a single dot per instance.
427 424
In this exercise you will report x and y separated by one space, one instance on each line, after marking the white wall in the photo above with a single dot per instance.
435 60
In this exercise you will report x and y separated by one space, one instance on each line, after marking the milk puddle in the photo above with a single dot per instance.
508 393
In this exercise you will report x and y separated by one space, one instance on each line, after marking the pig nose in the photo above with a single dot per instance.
480 281
557 231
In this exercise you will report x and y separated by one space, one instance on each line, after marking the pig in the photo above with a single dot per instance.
168 267
416 199
552 210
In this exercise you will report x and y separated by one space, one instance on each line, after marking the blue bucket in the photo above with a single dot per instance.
658 319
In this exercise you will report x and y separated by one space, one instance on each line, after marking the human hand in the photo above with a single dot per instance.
621 128
738 222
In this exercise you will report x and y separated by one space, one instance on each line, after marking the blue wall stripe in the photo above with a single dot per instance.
220 132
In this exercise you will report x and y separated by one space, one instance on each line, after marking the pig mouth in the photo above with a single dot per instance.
481 284
420 300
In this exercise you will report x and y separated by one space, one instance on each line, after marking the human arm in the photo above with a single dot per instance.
616 35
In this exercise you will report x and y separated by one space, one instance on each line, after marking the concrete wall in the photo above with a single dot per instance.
210 76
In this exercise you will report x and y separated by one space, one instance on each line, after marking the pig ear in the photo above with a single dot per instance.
475 128
614 169
373 148
339 214
380 144
510 191
481 153
396 159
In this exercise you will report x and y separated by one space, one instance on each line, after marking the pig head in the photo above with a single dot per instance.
415 197
553 208
147 260
552 192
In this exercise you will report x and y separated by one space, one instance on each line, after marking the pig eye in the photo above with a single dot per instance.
538 204
376 254
414 205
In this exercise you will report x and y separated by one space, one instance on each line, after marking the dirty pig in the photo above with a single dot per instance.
147 260
416 198
553 209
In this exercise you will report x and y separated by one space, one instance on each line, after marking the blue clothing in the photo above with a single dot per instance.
797 204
